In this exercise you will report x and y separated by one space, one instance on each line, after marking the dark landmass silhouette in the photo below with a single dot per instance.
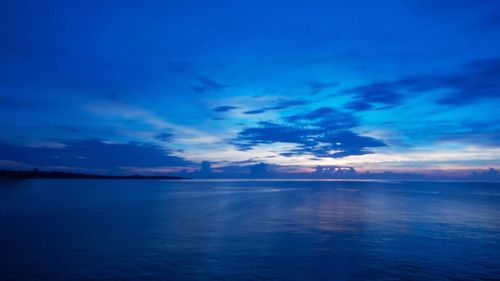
36 174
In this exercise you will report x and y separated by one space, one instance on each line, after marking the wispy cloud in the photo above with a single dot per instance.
475 81
224 108
316 87
206 85
164 137
278 105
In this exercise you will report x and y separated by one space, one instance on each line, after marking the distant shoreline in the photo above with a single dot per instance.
35 174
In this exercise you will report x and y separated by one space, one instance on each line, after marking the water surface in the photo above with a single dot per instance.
248 230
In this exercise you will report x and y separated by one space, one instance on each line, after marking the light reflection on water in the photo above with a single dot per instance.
249 230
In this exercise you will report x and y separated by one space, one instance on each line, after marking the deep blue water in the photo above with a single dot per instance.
248 230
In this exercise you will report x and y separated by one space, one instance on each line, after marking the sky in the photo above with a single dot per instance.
161 86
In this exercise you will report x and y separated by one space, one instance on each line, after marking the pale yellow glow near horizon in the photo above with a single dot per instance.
382 158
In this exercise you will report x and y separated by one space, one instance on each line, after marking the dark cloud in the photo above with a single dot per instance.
490 174
478 80
245 169
325 117
484 133
345 143
358 105
318 86
164 137
337 145
387 94
224 108
269 132
259 169
472 82
257 111
287 104
323 132
92 154
279 105
207 85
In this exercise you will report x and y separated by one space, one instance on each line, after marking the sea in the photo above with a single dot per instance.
71 229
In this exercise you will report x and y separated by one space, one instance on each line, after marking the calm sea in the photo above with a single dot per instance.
248 230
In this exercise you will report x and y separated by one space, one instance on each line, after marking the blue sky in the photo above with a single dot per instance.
160 86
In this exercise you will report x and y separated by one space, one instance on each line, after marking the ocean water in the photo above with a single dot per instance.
249 230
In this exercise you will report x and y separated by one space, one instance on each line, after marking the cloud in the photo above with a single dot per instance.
485 133
287 104
478 80
339 144
325 117
207 85
358 105
164 137
259 169
324 132
386 94
92 154
269 132
256 111
224 108
281 104
316 87
472 82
